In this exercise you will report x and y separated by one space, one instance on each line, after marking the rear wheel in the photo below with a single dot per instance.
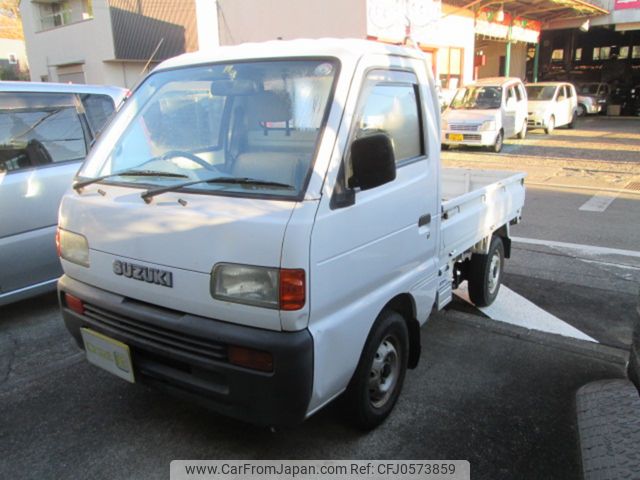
497 146
551 125
378 379
572 123
523 132
485 274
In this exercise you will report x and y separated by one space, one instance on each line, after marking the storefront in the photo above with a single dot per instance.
445 33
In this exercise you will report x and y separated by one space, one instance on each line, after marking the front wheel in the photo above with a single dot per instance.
485 274
581 110
497 146
378 379
551 125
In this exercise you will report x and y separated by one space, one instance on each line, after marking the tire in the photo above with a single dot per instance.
497 146
485 274
444 146
572 123
377 382
581 110
550 126
523 133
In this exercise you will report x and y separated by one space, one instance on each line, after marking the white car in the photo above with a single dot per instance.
485 113
551 105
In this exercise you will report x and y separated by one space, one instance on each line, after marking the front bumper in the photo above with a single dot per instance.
534 121
187 355
484 139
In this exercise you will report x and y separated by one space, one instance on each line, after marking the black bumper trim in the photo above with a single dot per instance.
186 355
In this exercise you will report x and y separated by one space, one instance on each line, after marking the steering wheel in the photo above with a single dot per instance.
189 156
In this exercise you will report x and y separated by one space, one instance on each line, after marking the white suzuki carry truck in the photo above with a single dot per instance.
265 227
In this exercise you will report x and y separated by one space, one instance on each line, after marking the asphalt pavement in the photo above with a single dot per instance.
498 395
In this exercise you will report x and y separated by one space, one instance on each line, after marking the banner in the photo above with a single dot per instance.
624 4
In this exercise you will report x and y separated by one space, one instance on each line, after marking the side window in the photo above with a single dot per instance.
518 93
510 95
39 129
98 109
562 94
570 92
389 104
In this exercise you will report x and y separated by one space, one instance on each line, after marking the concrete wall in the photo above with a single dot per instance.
88 42
258 20
17 47
494 50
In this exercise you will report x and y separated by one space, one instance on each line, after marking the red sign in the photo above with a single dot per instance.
623 4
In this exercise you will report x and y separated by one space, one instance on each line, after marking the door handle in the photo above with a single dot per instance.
424 220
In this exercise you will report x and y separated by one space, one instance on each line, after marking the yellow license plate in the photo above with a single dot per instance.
109 354
456 137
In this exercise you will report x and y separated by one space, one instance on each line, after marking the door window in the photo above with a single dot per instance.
98 109
38 129
389 104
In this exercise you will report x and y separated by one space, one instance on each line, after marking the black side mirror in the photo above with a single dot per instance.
372 161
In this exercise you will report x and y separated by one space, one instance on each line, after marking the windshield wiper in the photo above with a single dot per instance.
78 184
149 194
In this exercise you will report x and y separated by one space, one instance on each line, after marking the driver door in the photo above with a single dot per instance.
509 123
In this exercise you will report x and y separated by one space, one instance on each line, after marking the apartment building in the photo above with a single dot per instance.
105 41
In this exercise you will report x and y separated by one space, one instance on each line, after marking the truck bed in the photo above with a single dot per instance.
475 203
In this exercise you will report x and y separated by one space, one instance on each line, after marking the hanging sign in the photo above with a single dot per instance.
522 29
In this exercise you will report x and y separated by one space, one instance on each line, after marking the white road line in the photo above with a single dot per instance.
510 307
586 249
599 202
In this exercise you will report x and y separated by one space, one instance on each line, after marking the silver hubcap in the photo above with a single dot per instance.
494 273
384 372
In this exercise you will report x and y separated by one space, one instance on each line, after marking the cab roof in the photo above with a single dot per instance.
313 48
497 81
116 93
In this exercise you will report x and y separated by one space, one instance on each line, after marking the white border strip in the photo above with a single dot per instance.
587 249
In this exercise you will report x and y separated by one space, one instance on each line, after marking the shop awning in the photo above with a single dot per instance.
539 10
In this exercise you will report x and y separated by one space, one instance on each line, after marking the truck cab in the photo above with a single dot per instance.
261 229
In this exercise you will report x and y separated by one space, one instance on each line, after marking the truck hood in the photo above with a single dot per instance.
184 240
469 116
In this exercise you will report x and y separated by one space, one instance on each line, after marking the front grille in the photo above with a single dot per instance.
464 127
473 137
159 336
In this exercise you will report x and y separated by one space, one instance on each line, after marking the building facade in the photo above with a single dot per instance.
13 54
105 41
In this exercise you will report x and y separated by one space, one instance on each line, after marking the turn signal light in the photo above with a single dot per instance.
250 358
74 303
292 289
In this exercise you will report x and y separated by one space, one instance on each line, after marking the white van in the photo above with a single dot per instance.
551 105
486 112
265 227
46 130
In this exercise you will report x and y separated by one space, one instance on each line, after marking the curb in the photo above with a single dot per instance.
582 347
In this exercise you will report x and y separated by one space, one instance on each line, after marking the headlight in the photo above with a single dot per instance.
259 286
73 247
488 126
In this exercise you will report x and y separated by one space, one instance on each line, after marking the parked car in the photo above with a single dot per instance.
551 105
46 130
592 97
485 113
219 273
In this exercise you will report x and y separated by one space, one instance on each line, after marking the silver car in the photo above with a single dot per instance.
46 130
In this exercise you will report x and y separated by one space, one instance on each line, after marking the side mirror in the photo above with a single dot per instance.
372 161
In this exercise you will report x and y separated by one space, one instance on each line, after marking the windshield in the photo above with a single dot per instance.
477 98
539 92
256 120
588 88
